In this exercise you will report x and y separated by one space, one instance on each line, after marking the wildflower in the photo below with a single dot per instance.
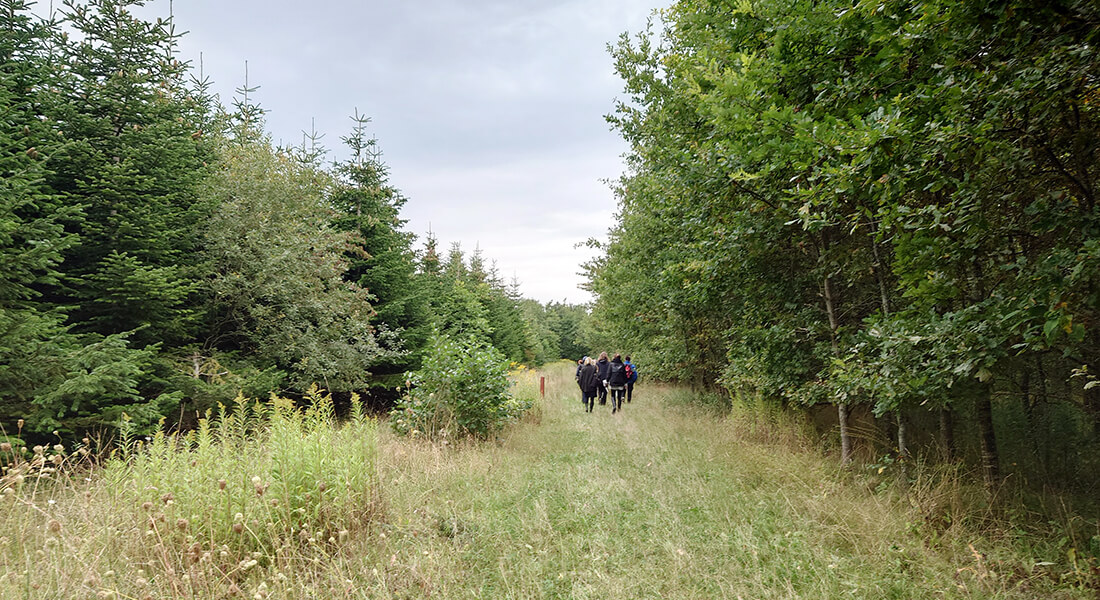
54 526
58 448
221 484
5 447
182 524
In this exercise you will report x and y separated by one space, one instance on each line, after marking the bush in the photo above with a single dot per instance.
462 389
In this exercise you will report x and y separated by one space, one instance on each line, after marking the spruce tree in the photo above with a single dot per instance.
382 261
133 159
32 235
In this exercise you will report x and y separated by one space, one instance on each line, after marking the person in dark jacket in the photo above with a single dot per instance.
589 383
616 382
633 378
580 365
602 367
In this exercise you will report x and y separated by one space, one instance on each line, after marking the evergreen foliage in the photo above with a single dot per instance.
383 262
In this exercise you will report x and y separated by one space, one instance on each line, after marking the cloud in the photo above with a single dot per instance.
489 112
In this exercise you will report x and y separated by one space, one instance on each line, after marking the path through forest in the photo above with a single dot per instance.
658 501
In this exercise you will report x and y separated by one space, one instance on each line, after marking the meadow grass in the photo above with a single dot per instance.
658 501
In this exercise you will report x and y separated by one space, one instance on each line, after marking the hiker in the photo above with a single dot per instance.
589 383
602 365
616 382
632 373
580 365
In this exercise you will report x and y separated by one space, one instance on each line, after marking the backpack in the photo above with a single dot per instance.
616 375
629 372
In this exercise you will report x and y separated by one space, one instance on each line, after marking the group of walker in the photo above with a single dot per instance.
597 377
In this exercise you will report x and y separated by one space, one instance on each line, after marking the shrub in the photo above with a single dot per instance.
462 388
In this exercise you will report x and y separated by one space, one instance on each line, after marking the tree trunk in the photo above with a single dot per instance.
947 433
903 451
842 408
884 300
991 468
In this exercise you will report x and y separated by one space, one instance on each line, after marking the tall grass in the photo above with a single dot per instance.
257 492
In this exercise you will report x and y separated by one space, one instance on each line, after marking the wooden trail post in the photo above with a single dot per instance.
542 387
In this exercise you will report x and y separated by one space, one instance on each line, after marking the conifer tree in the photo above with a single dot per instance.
133 159
32 235
383 262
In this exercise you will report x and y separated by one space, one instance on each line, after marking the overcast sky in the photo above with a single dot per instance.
489 113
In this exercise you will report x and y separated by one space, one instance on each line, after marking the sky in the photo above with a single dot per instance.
489 113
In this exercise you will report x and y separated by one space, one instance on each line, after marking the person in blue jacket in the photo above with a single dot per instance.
632 379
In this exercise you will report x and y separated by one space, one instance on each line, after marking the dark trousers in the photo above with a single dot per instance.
629 391
588 401
617 399
602 391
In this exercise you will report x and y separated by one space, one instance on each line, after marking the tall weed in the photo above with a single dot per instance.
256 490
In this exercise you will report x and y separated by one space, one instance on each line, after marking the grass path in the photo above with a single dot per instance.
654 502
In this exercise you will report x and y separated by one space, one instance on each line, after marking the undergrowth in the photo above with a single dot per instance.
259 491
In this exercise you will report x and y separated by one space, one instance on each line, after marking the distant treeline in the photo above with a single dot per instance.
885 207
159 255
